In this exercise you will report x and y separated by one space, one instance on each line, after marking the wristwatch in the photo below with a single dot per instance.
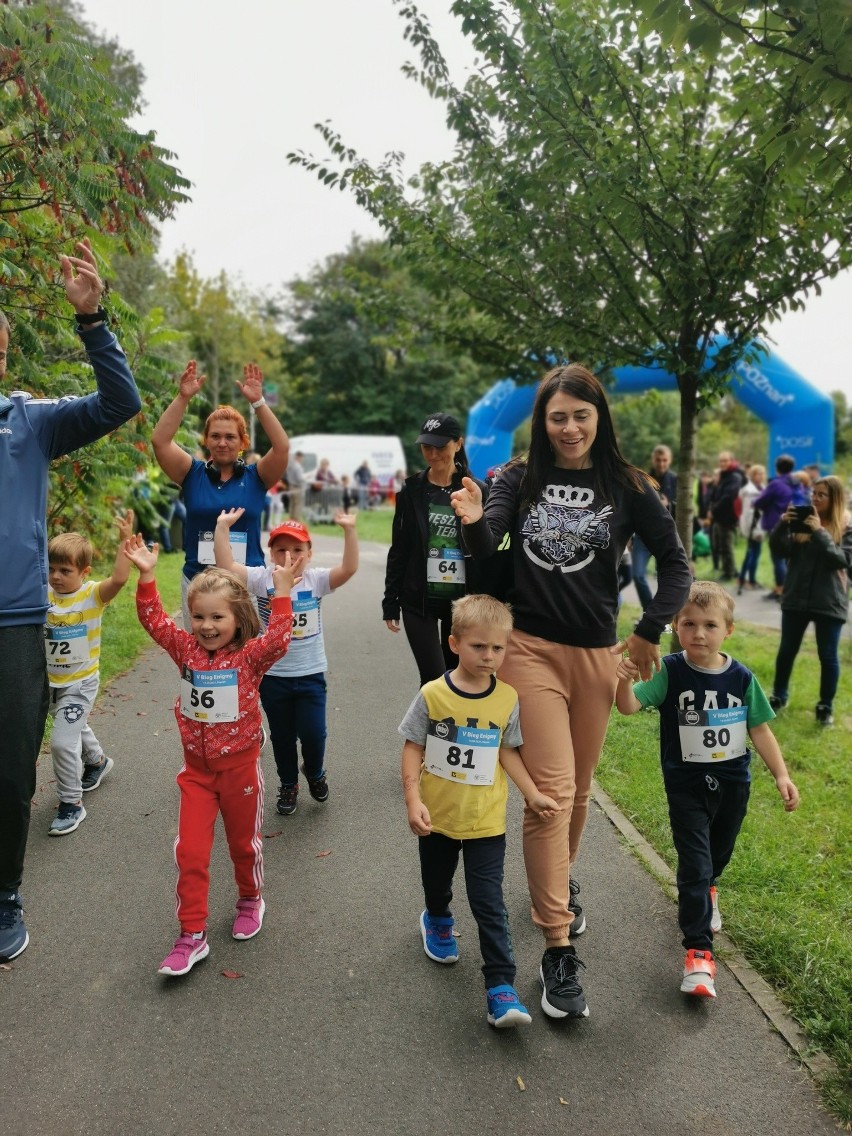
86 318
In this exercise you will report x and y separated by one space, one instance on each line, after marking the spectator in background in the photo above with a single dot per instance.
723 516
323 476
295 485
362 477
351 497
750 526
771 504
816 589
666 479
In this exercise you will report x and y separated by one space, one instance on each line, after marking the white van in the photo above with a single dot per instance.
345 453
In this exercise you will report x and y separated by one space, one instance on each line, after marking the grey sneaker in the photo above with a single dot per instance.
94 774
68 818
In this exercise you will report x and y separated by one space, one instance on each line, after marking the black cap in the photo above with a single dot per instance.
438 429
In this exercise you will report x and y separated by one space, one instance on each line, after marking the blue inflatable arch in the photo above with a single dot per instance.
800 418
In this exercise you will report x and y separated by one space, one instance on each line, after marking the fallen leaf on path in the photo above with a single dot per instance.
272 835
319 855
521 1085
562 1100
141 713
231 974
5 966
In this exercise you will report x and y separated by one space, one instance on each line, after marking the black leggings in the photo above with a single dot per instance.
428 637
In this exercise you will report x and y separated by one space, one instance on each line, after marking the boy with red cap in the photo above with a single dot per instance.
293 690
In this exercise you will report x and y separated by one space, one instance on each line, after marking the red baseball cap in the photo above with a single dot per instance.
295 529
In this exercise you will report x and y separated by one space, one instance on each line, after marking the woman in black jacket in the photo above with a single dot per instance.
427 568
818 549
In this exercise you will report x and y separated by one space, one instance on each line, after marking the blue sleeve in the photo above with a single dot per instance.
69 423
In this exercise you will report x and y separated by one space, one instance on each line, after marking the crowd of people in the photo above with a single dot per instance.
516 574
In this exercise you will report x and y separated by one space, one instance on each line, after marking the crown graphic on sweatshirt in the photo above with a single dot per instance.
568 495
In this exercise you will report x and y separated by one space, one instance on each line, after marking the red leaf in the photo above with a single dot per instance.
321 854
272 835
231 974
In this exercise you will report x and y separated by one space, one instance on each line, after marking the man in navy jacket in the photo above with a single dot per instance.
33 431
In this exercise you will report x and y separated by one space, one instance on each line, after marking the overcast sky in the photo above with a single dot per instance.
233 87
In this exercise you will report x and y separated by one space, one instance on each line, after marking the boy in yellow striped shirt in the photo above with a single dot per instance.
73 645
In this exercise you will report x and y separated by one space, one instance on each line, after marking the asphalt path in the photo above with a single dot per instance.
338 1023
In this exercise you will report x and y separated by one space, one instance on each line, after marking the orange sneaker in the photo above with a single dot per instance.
715 915
699 971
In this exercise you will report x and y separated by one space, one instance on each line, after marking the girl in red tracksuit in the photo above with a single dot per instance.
218 713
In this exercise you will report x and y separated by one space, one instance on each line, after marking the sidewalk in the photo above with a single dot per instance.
338 1023
751 606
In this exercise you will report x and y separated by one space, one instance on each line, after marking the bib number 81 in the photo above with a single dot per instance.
454 757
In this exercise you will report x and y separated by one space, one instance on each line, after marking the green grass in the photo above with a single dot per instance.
373 525
786 895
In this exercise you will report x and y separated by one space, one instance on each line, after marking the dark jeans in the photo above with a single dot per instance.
748 572
705 819
295 709
828 630
483 877
428 637
779 567
722 543
641 556
23 712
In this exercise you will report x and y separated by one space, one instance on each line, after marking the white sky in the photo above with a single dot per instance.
233 87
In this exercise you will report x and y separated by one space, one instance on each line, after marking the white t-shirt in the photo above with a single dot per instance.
306 653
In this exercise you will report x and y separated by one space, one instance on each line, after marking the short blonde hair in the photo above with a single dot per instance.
707 593
70 548
236 596
480 611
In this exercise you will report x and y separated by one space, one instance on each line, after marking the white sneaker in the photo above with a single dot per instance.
715 916
699 972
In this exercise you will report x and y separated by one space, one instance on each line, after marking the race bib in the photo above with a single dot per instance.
306 609
445 566
713 735
209 696
237 540
67 646
461 753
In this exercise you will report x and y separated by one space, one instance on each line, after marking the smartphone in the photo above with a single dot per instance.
801 511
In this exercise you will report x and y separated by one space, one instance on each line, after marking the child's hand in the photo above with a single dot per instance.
627 670
229 517
137 551
542 806
283 577
125 525
419 820
345 520
789 793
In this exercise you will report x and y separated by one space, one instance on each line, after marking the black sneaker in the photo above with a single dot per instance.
562 995
287 799
94 774
13 933
777 703
579 924
823 714
318 788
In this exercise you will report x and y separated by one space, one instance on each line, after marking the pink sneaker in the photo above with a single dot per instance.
186 952
249 917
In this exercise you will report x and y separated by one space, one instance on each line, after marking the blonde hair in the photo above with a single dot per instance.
480 611
835 521
229 414
237 598
70 548
707 593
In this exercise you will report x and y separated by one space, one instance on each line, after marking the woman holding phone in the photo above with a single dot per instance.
817 541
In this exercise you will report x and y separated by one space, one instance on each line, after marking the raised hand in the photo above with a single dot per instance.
252 385
137 551
229 517
83 285
190 382
467 502
345 520
283 577
125 525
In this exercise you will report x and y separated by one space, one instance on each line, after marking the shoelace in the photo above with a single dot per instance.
566 973
8 914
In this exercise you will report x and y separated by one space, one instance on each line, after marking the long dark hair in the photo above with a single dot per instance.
609 466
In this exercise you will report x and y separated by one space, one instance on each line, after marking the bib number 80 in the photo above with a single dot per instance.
714 738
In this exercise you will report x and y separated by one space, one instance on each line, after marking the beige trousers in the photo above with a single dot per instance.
566 694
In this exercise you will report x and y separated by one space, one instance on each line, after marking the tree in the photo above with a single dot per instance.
365 353
604 202
70 166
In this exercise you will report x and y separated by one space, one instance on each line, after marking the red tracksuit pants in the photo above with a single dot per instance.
238 795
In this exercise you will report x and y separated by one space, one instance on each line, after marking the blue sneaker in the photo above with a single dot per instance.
94 774
504 1008
13 933
438 940
68 818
